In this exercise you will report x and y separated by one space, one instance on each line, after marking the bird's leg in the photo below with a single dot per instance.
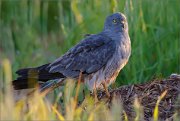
106 89
95 94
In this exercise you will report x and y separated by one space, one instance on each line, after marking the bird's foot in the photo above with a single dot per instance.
106 90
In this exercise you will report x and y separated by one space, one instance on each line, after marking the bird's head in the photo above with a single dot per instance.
116 23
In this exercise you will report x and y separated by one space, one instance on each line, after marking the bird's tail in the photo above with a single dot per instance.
31 77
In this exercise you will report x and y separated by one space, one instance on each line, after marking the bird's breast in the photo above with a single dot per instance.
118 61
112 68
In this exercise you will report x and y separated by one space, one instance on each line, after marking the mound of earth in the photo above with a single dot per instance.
147 95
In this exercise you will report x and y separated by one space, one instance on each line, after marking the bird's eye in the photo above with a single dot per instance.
114 21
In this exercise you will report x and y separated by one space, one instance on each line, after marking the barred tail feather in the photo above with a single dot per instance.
31 77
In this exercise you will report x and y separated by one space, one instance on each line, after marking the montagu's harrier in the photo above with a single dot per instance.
99 57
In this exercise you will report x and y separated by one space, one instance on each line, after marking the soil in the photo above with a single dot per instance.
147 95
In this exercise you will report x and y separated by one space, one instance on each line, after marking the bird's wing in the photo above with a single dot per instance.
88 56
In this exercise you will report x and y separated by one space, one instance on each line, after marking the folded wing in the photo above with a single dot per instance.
88 56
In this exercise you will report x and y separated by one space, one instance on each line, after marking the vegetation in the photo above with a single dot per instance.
155 100
34 32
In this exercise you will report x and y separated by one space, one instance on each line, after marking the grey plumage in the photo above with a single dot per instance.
88 56
99 57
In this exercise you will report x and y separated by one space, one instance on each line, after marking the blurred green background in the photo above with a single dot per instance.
34 32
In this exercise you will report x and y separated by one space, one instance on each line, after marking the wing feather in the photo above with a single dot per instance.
88 56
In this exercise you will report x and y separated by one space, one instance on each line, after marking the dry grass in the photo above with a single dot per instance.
156 100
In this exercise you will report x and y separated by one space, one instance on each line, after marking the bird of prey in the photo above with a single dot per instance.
99 57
